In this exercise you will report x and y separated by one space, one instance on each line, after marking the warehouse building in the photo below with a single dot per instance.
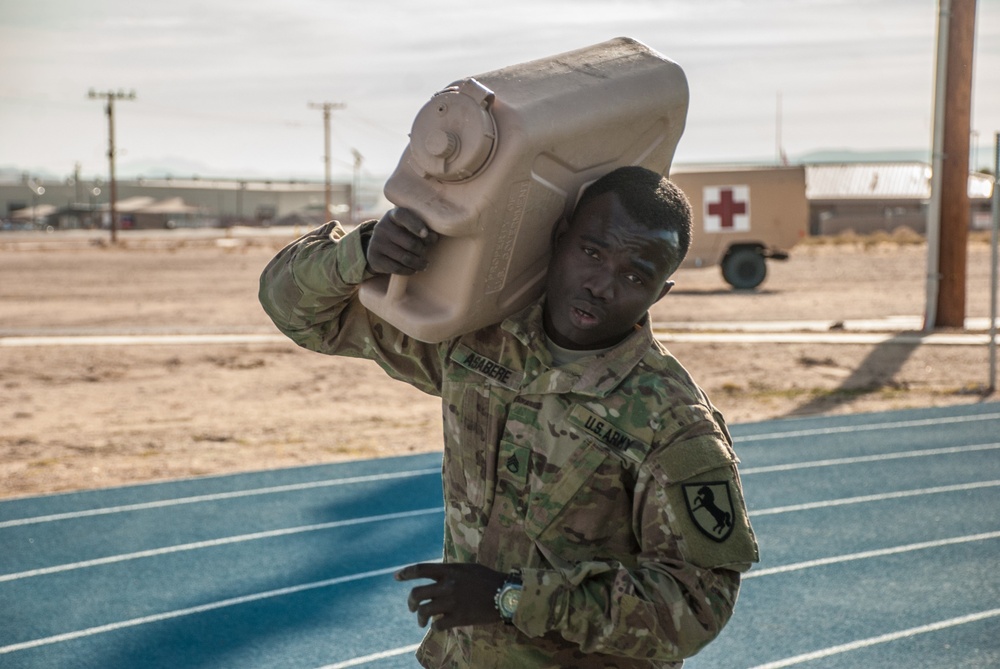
160 202
860 197
870 197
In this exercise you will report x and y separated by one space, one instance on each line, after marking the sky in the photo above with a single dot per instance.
223 87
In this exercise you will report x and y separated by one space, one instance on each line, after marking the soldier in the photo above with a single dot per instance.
594 516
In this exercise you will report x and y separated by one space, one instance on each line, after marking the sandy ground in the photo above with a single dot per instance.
79 417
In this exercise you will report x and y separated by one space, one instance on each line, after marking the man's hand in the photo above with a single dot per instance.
400 243
462 594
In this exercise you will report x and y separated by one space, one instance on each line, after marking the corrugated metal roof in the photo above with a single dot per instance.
880 181
136 203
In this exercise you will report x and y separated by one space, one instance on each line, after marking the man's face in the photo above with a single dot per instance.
606 271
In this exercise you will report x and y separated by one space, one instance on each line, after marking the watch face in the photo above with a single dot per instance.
509 600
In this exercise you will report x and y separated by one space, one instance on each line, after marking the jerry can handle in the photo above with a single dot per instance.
482 95
395 291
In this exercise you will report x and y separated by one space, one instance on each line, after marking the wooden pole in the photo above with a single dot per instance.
952 250
110 111
110 97
327 182
994 253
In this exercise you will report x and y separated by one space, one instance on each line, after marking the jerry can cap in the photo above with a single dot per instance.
454 134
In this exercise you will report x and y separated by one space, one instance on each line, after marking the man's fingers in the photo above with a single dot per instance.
438 611
405 240
399 262
444 622
461 594
410 222
422 594
432 570
400 244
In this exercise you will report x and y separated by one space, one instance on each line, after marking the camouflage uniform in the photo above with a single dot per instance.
611 482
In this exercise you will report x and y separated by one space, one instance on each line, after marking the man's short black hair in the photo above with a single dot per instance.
650 198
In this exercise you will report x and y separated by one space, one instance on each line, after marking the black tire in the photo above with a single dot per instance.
744 268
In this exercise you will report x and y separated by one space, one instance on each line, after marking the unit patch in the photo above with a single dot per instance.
711 508
491 369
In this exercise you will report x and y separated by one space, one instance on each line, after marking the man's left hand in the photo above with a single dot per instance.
462 594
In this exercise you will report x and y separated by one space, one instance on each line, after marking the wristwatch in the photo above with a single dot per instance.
508 596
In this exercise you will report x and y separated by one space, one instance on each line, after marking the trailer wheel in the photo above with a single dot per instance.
743 267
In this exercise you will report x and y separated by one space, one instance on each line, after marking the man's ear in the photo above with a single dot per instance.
666 289
559 229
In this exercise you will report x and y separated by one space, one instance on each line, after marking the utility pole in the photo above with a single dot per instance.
356 186
779 152
950 203
77 185
327 107
994 259
110 97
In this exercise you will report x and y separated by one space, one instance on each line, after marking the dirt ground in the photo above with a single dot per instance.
78 417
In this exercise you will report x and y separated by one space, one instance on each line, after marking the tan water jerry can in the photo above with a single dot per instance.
495 160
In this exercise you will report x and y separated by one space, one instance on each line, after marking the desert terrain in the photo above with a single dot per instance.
77 417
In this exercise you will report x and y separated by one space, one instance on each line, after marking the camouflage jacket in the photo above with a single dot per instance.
611 483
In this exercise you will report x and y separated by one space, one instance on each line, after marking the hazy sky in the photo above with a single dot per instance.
223 86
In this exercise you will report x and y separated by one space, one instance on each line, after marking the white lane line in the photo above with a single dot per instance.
894 425
374 657
425 472
863 499
196 499
780 664
141 340
212 543
897 323
883 638
798 659
180 613
862 338
833 462
381 572
865 555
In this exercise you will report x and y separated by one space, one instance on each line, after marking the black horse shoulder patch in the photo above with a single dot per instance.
711 508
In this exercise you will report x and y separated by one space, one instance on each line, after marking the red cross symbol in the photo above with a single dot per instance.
727 208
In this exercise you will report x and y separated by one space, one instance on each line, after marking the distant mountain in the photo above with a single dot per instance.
10 173
164 167
850 156
161 168
980 160
825 156
172 166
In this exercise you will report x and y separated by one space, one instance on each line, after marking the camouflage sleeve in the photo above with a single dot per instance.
310 291
682 590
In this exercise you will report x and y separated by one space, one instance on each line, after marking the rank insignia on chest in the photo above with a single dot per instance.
512 464
711 508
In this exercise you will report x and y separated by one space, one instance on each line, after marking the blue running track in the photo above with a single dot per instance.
879 533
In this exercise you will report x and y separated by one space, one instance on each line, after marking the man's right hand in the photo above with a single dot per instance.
400 243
